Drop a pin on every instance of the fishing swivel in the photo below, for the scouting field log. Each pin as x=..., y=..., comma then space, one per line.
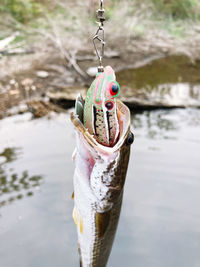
x=99, y=36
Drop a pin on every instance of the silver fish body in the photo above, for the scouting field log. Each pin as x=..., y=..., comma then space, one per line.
x=99, y=178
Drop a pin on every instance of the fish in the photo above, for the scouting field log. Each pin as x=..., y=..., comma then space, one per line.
x=101, y=163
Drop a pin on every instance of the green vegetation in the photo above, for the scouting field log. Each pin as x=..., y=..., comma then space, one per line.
x=124, y=17
x=25, y=10
x=21, y=10
x=178, y=9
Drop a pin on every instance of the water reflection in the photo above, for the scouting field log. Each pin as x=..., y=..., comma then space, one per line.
x=165, y=71
x=159, y=224
x=156, y=124
x=171, y=81
x=14, y=186
x=9, y=154
x=164, y=124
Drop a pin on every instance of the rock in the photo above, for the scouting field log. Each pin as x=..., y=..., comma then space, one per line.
x=40, y=108
x=22, y=108
x=68, y=93
x=42, y=74
x=14, y=92
x=112, y=54
x=92, y=71
x=65, y=97
x=12, y=81
x=27, y=82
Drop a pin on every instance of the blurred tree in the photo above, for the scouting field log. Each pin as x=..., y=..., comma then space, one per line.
x=21, y=10
x=178, y=9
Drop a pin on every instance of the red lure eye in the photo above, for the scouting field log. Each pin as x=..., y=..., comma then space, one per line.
x=114, y=89
x=109, y=105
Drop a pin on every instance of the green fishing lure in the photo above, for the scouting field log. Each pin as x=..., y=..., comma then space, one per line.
x=100, y=108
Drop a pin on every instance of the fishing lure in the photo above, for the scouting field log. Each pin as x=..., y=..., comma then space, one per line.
x=100, y=110
x=103, y=140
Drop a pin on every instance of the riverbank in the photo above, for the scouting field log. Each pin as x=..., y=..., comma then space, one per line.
x=61, y=64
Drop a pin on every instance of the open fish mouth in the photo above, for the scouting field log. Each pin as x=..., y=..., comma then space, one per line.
x=103, y=168
x=125, y=136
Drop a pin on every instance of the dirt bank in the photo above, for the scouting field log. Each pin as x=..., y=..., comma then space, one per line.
x=26, y=77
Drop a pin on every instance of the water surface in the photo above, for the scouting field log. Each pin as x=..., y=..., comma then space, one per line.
x=160, y=219
x=171, y=81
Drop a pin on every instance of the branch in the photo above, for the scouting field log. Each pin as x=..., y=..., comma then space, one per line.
x=5, y=42
x=68, y=56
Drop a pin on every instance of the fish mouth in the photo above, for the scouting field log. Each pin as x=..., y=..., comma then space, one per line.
x=123, y=115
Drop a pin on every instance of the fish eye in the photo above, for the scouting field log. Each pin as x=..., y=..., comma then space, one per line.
x=109, y=105
x=130, y=138
x=114, y=89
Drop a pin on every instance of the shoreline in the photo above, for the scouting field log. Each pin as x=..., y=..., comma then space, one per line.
x=31, y=76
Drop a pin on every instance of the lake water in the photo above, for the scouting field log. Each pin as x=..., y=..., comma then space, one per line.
x=160, y=219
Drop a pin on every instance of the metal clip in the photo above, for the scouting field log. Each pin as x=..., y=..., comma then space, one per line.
x=101, y=40
x=99, y=36
x=100, y=15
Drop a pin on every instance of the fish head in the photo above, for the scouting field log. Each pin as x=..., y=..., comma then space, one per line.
x=100, y=109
